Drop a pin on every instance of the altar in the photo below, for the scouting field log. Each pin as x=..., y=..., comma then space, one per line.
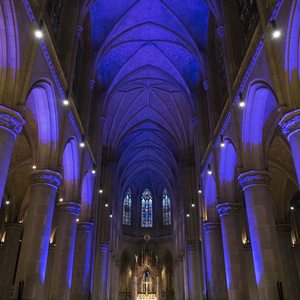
x=146, y=297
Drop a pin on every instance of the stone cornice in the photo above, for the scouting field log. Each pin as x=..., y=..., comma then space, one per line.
x=283, y=228
x=70, y=208
x=11, y=120
x=14, y=227
x=227, y=208
x=85, y=226
x=290, y=123
x=256, y=177
x=46, y=177
x=211, y=226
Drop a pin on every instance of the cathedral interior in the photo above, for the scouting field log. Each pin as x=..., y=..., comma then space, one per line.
x=149, y=149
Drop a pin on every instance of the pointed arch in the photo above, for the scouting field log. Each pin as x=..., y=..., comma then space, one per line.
x=127, y=210
x=70, y=163
x=147, y=209
x=86, y=197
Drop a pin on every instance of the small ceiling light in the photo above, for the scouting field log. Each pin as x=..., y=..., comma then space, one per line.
x=276, y=32
x=193, y=204
x=222, y=143
x=7, y=202
x=21, y=221
x=82, y=143
x=110, y=215
x=187, y=215
x=61, y=199
x=241, y=102
x=77, y=220
x=199, y=190
x=34, y=167
x=209, y=171
x=100, y=191
x=292, y=207
x=106, y=204
x=94, y=169
x=38, y=34
x=66, y=102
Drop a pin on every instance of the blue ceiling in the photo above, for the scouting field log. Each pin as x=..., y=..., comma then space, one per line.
x=150, y=59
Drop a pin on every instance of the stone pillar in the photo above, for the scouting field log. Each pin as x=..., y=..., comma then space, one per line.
x=290, y=125
x=82, y=262
x=214, y=262
x=64, y=251
x=135, y=288
x=37, y=229
x=10, y=256
x=100, y=273
x=157, y=288
x=194, y=269
x=49, y=270
x=237, y=287
x=181, y=289
x=253, y=295
x=176, y=279
x=11, y=124
x=292, y=290
x=264, y=241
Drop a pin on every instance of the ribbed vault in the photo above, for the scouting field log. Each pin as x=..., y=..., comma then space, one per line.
x=150, y=59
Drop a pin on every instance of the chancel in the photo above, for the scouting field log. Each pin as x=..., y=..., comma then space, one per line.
x=149, y=150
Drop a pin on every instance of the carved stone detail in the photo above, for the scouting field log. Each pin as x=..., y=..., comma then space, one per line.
x=11, y=120
x=221, y=32
x=47, y=177
x=227, y=208
x=14, y=227
x=253, y=178
x=290, y=122
x=72, y=208
x=205, y=85
x=283, y=228
x=85, y=226
x=211, y=226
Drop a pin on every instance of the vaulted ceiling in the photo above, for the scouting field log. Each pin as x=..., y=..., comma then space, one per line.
x=150, y=59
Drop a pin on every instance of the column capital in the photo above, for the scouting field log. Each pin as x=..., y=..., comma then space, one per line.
x=284, y=228
x=85, y=226
x=227, y=208
x=221, y=32
x=211, y=226
x=72, y=208
x=14, y=227
x=46, y=177
x=11, y=120
x=254, y=177
x=290, y=122
x=104, y=248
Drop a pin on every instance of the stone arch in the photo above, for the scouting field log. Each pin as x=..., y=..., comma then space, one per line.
x=42, y=121
x=70, y=164
x=9, y=51
x=210, y=198
x=227, y=171
x=260, y=118
x=86, y=197
x=292, y=51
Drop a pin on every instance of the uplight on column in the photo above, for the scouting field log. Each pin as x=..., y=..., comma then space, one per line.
x=241, y=100
x=209, y=171
x=82, y=143
x=276, y=33
x=222, y=143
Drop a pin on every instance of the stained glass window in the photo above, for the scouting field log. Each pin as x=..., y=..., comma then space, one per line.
x=147, y=209
x=166, y=208
x=127, y=208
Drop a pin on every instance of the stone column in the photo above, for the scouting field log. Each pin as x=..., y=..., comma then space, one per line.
x=135, y=288
x=264, y=242
x=37, y=229
x=195, y=279
x=290, y=125
x=49, y=270
x=100, y=273
x=237, y=287
x=214, y=262
x=181, y=289
x=10, y=256
x=11, y=124
x=253, y=295
x=64, y=251
x=292, y=290
x=82, y=262
x=157, y=288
